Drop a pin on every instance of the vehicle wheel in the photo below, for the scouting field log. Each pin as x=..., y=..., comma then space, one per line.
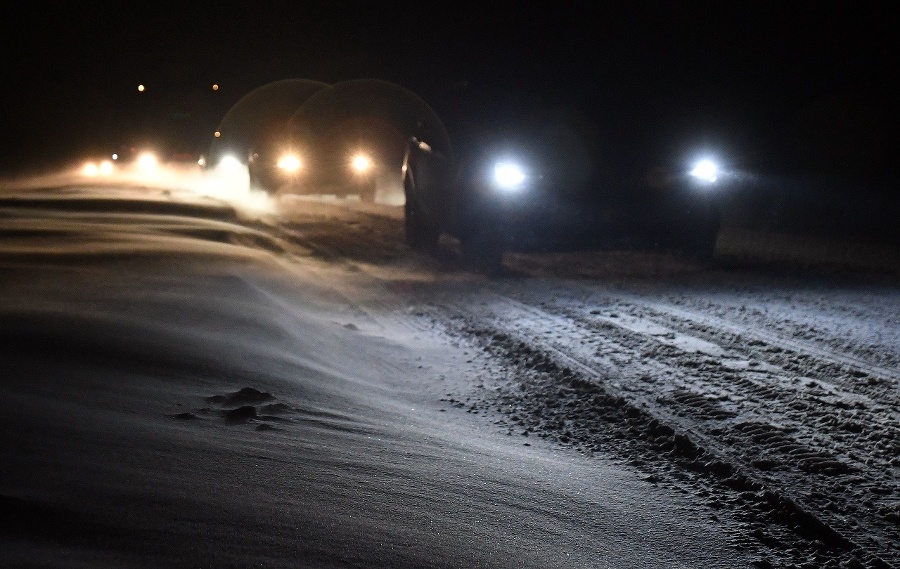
x=701, y=242
x=421, y=231
x=483, y=250
x=260, y=181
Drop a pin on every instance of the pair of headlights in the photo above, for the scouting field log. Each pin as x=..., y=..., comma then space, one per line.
x=511, y=176
x=147, y=162
x=94, y=169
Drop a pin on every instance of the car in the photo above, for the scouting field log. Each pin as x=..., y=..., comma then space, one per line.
x=543, y=186
x=338, y=171
x=97, y=168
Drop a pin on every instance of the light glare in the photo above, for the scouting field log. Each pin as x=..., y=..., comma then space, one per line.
x=706, y=170
x=361, y=163
x=230, y=163
x=289, y=163
x=508, y=175
x=147, y=162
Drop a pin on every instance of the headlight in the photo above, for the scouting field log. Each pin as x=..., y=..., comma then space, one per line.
x=230, y=163
x=361, y=164
x=289, y=163
x=90, y=169
x=509, y=175
x=106, y=168
x=705, y=171
x=147, y=162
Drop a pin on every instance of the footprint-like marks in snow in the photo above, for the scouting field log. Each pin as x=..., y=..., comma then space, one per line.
x=244, y=406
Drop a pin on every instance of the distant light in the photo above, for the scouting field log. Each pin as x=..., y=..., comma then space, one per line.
x=115, y=156
x=141, y=88
x=706, y=171
x=215, y=87
x=361, y=163
x=217, y=134
x=201, y=162
x=508, y=175
x=147, y=162
x=289, y=163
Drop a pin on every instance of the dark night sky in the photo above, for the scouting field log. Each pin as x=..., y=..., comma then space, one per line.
x=750, y=77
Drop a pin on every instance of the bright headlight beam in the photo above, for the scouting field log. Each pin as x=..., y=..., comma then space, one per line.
x=229, y=162
x=361, y=163
x=147, y=162
x=508, y=175
x=706, y=171
x=289, y=163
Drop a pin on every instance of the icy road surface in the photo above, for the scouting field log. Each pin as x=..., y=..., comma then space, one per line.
x=187, y=384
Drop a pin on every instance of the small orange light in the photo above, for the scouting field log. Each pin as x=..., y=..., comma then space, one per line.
x=141, y=88
x=217, y=134
x=215, y=86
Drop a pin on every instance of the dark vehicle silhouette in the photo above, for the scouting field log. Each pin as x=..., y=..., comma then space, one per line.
x=542, y=184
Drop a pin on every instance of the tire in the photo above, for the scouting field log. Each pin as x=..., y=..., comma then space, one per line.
x=698, y=237
x=703, y=243
x=421, y=231
x=262, y=181
x=483, y=250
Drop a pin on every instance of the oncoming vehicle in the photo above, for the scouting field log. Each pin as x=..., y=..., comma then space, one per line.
x=544, y=186
x=98, y=168
x=340, y=172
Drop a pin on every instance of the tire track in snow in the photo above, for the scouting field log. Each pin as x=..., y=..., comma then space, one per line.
x=785, y=461
x=875, y=382
x=832, y=406
x=747, y=413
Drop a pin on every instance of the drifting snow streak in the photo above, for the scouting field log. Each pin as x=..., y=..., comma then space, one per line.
x=204, y=215
x=229, y=184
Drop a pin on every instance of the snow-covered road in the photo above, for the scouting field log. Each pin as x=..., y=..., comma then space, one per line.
x=185, y=386
x=771, y=386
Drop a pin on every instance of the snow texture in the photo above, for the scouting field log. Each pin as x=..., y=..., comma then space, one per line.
x=189, y=380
